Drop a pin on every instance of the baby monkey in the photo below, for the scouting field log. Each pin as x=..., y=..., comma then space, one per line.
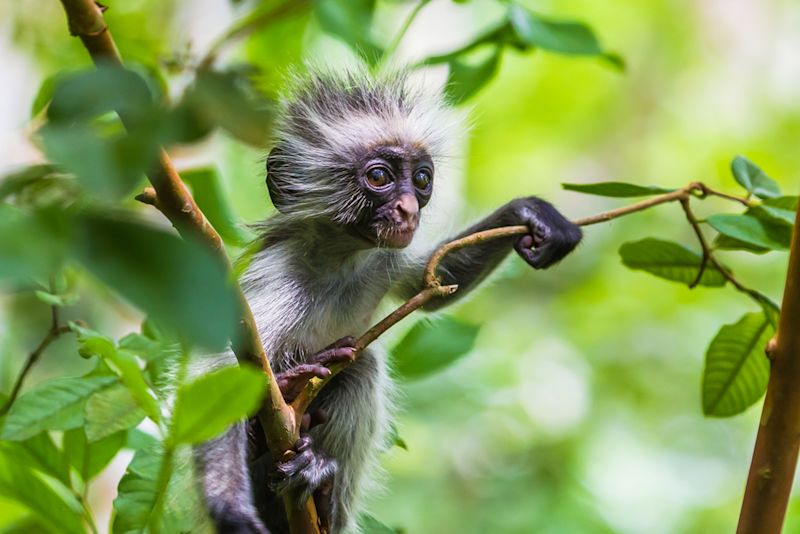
x=351, y=170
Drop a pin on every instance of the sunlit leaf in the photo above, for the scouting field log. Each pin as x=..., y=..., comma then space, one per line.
x=752, y=230
x=751, y=177
x=87, y=458
x=737, y=370
x=59, y=513
x=109, y=411
x=54, y=405
x=430, y=346
x=208, y=405
x=616, y=189
x=668, y=260
x=177, y=281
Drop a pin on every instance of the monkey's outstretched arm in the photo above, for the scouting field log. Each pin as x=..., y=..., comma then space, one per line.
x=551, y=237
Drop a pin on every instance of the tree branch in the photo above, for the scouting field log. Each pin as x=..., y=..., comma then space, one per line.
x=769, y=482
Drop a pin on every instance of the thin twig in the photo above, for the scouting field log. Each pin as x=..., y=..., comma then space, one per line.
x=687, y=209
x=52, y=334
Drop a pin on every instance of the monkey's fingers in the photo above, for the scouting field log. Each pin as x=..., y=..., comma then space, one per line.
x=292, y=381
x=310, y=420
x=335, y=355
x=346, y=341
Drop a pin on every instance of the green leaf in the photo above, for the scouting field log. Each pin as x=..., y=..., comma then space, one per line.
x=44, y=94
x=178, y=282
x=466, y=75
x=208, y=192
x=124, y=365
x=351, y=22
x=207, y=406
x=59, y=301
x=111, y=410
x=87, y=458
x=394, y=439
x=54, y=510
x=430, y=346
x=771, y=309
x=670, y=261
x=368, y=524
x=751, y=230
x=779, y=210
x=617, y=189
x=229, y=100
x=737, y=370
x=565, y=37
x=18, y=180
x=751, y=177
x=724, y=242
x=40, y=453
x=32, y=245
x=54, y=405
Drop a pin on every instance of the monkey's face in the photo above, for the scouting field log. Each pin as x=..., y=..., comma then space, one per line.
x=398, y=182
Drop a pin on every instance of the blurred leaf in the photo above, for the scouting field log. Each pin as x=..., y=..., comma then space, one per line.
x=616, y=189
x=368, y=524
x=38, y=452
x=466, y=76
x=752, y=230
x=724, y=242
x=771, y=309
x=751, y=177
x=44, y=94
x=57, y=300
x=108, y=166
x=54, y=405
x=229, y=100
x=138, y=439
x=108, y=88
x=208, y=193
x=430, y=346
x=16, y=181
x=147, y=348
x=394, y=439
x=780, y=210
x=109, y=411
x=557, y=36
x=177, y=281
x=737, y=370
x=58, y=513
x=89, y=459
x=670, y=261
x=350, y=21
x=208, y=405
x=32, y=245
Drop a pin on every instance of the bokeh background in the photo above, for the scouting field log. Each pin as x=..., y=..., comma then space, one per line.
x=579, y=408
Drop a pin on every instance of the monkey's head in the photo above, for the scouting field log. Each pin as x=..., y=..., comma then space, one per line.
x=358, y=153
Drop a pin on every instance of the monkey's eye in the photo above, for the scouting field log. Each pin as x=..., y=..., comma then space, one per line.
x=377, y=177
x=422, y=179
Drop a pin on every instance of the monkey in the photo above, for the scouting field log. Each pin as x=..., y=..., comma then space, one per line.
x=351, y=169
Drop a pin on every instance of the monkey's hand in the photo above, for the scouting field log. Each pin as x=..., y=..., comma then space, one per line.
x=292, y=381
x=552, y=236
x=306, y=470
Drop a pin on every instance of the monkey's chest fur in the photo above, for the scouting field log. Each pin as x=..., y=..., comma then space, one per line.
x=300, y=307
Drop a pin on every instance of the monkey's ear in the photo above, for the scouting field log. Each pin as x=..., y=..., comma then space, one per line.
x=278, y=184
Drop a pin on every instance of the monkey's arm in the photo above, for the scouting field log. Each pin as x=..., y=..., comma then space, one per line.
x=552, y=237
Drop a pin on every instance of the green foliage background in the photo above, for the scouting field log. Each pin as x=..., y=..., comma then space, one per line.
x=579, y=408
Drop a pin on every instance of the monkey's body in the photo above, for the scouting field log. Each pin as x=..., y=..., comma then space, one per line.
x=352, y=167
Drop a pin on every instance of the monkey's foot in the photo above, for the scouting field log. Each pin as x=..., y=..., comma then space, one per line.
x=292, y=381
x=306, y=471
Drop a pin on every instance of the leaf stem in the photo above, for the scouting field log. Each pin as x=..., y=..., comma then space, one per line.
x=392, y=48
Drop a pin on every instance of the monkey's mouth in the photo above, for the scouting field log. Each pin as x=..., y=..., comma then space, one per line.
x=397, y=235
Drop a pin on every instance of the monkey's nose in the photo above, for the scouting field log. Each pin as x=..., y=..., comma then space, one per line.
x=407, y=206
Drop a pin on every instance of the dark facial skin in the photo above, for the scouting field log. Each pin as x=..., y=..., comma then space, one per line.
x=398, y=182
